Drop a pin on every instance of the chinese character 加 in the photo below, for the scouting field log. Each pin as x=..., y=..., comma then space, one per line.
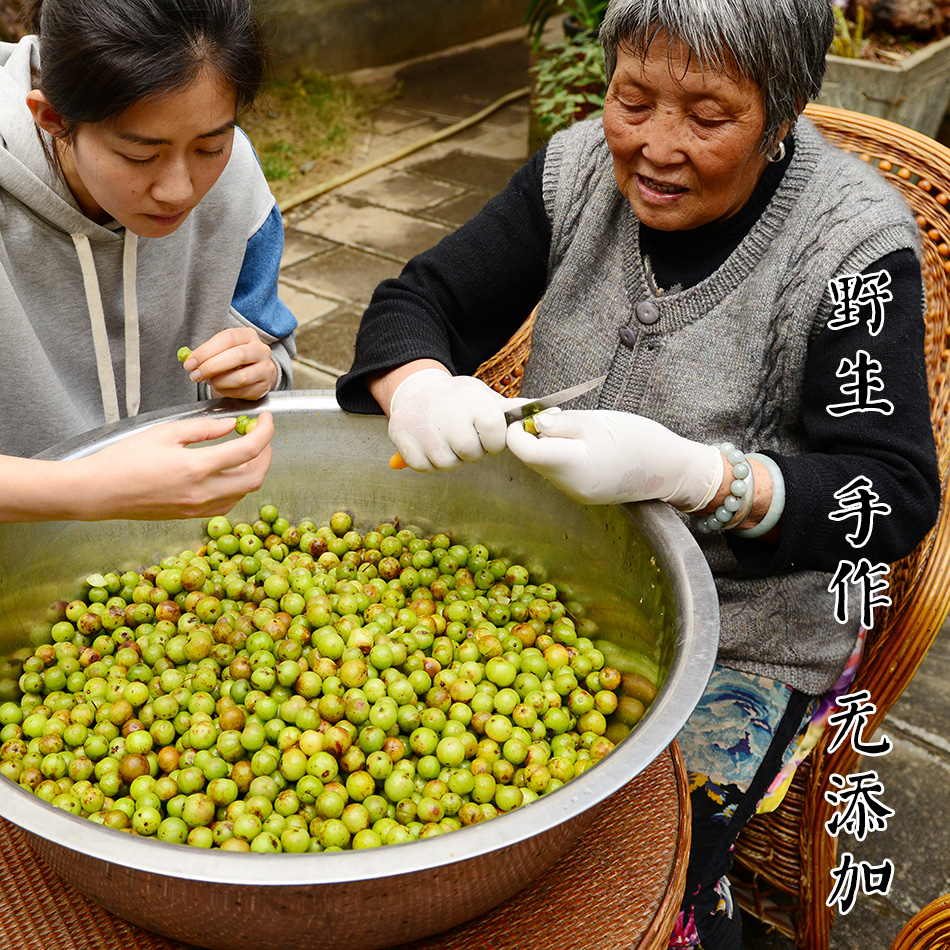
x=850, y=875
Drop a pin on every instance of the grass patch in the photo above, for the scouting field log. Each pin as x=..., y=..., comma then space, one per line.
x=305, y=126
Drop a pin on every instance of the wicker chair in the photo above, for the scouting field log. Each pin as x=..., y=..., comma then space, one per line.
x=784, y=859
x=928, y=929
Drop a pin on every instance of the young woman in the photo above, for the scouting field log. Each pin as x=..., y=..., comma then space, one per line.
x=134, y=220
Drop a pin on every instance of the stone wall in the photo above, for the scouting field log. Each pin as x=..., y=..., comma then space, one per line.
x=340, y=35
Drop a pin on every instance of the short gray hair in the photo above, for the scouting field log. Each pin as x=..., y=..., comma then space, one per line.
x=778, y=44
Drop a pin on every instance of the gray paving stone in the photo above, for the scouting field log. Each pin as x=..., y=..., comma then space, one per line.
x=307, y=377
x=303, y=305
x=916, y=781
x=387, y=120
x=298, y=245
x=331, y=343
x=494, y=141
x=460, y=84
x=345, y=273
x=400, y=192
x=477, y=171
x=924, y=706
x=372, y=228
x=457, y=211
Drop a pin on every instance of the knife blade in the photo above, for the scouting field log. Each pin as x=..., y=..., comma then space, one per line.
x=552, y=399
x=530, y=408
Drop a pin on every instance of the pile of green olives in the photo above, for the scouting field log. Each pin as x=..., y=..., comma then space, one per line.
x=295, y=688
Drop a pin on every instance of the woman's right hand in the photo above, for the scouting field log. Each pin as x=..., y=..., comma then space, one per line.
x=440, y=421
x=163, y=473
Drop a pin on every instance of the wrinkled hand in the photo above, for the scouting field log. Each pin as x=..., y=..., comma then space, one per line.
x=603, y=457
x=438, y=421
x=155, y=475
x=235, y=362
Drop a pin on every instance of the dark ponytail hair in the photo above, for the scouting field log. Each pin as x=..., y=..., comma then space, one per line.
x=98, y=57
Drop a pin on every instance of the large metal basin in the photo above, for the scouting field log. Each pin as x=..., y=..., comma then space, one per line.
x=636, y=569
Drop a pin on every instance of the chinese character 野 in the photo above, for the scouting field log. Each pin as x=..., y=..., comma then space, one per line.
x=870, y=581
x=859, y=500
x=855, y=293
x=850, y=875
x=864, y=381
x=856, y=709
x=862, y=813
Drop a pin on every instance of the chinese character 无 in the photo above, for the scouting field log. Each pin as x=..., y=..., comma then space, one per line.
x=853, y=293
x=856, y=710
x=863, y=379
x=870, y=581
x=862, y=813
x=850, y=876
x=858, y=500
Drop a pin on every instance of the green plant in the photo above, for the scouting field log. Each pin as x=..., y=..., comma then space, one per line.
x=850, y=38
x=570, y=81
x=587, y=13
x=307, y=120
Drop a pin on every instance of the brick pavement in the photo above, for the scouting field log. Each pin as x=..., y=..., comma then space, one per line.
x=339, y=246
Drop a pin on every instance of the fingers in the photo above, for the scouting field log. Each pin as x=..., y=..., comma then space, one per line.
x=237, y=362
x=489, y=431
x=221, y=343
x=541, y=452
x=236, y=452
x=566, y=424
x=189, y=431
x=426, y=455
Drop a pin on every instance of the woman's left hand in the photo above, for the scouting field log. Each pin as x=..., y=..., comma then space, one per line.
x=235, y=362
x=604, y=457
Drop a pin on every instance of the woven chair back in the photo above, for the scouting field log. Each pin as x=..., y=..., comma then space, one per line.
x=929, y=929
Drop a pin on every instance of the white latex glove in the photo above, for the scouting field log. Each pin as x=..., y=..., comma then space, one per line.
x=438, y=421
x=603, y=457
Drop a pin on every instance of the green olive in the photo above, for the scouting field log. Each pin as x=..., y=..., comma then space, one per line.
x=293, y=688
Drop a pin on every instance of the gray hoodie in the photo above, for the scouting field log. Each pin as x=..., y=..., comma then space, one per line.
x=91, y=316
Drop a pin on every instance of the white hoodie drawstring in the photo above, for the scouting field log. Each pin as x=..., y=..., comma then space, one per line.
x=133, y=369
x=100, y=336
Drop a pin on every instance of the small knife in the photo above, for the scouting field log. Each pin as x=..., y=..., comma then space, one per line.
x=531, y=408
x=552, y=399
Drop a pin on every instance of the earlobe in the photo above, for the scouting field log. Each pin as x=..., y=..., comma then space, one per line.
x=44, y=115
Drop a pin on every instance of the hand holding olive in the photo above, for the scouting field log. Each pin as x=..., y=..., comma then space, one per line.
x=155, y=474
x=603, y=457
x=438, y=421
x=235, y=362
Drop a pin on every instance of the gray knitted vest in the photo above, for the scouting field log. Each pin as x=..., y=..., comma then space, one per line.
x=723, y=360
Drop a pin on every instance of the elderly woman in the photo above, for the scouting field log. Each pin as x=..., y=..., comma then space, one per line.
x=741, y=284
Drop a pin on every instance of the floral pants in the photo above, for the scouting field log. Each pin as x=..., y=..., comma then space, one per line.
x=741, y=746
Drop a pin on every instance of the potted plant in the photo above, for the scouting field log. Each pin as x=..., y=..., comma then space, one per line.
x=580, y=16
x=569, y=84
x=568, y=74
x=891, y=61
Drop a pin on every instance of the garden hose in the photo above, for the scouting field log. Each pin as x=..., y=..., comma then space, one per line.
x=330, y=183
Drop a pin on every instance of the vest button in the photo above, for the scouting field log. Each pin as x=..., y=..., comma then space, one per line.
x=647, y=312
x=627, y=337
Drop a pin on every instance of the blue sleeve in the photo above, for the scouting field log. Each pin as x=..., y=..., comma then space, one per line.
x=255, y=296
